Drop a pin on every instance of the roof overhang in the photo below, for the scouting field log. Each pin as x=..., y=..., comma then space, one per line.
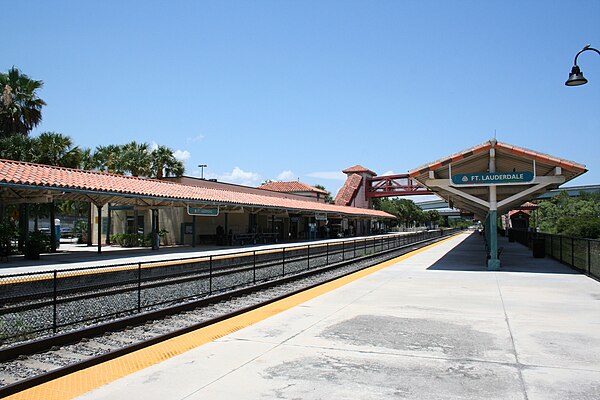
x=547, y=173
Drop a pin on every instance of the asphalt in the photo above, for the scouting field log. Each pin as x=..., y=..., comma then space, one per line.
x=436, y=325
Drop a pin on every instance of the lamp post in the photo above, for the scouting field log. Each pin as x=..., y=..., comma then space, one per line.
x=202, y=166
x=576, y=76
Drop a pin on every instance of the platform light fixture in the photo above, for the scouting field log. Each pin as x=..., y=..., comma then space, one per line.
x=202, y=166
x=576, y=77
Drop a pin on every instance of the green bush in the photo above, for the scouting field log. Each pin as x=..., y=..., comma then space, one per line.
x=37, y=243
x=9, y=233
x=132, y=239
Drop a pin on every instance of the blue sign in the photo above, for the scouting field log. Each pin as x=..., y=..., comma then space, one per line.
x=492, y=178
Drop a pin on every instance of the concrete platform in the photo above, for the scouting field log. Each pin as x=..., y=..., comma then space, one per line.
x=433, y=326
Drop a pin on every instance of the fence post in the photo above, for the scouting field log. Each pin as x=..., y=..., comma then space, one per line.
x=589, y=257
x=560, y=242
x=254, y=267
x=139, y=287
x=283, y=263
x=210, y=272
x=54, y=301
x=572, y=251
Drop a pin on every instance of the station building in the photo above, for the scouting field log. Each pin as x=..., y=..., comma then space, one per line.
x=191, y=210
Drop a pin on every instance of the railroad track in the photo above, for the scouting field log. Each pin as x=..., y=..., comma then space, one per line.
x=45, y=304
x=32, y=363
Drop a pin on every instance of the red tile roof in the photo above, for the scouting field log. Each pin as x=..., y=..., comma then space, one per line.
x=36, y=176
x=358, y=169
x=291, y=187
x=346, y=194
x=485, y=146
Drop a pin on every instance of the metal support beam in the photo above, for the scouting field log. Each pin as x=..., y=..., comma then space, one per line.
x=52, y=228
x=99, y=209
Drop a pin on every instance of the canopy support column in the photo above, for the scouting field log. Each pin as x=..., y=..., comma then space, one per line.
x=99, y=209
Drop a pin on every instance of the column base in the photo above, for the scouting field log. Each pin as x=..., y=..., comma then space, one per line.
x=493, y=265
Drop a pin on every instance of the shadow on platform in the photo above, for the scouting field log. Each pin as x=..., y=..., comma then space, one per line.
x=470, y=255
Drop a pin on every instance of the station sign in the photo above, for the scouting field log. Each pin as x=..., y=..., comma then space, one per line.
x=492, y=178
x=203, y=211
x=320, y=217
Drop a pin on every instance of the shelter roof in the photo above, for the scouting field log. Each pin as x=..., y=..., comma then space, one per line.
x=476, y=160
x=348, y=191
x=28, y=182
x=358, y=169
x=291, y=187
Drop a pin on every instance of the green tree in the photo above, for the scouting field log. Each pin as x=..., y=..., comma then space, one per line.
x=20, y=106
x=109, y=158
x=165, y=164
x=57, y=149
x=136, y=159
x=18, y=147
x=328, y=199
x=570, y=216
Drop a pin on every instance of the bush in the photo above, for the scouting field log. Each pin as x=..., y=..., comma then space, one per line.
x=37, y=243
x=132, y=240
x=9, y=233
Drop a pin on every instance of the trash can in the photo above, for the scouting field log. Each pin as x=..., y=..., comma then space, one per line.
x=539, y=248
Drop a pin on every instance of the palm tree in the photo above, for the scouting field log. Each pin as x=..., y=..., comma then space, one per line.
x=109, y=158
x=164, y=163
x=57, y=149
x=20, y=107
x=87, y=161
x=18, y=147
x=137, y=159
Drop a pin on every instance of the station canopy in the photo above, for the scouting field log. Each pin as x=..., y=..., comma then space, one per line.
x=22, y=182
x=518, y=174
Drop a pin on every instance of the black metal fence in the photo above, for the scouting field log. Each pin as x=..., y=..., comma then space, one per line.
x=579, y=253
x=45, y=303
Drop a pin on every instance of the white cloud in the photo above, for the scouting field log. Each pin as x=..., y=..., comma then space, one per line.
x=195, y=138
x=240, y=177
x=182, y=155
x=388, y=173
x=333, y=175
x=286, y=175
x=153, y=145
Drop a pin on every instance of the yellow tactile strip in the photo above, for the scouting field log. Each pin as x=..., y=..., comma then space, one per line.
x=78, y=383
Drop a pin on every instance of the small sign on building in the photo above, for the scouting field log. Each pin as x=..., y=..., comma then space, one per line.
x=203, y=211
x=320, y=217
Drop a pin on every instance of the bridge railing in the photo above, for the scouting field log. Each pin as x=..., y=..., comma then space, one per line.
x=579, y=253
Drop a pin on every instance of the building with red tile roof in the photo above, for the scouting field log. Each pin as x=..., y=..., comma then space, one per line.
x=296, y=187
x=22, y=182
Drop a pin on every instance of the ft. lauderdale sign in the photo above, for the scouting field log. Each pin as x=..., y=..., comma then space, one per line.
x=492, y=178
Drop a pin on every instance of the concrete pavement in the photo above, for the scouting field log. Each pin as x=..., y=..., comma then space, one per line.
x=433, y=326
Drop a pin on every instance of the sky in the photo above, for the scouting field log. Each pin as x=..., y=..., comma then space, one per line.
x=288, y=90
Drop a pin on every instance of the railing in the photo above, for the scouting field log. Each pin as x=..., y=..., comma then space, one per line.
x=580, y=253
x=45, y=303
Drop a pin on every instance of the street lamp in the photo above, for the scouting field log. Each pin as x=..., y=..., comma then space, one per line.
x=576, y=76
x=202, y=166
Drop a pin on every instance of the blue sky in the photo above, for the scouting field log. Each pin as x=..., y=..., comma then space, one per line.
x=303, y=89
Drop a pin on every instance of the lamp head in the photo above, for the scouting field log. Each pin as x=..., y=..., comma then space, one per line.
x=576, y=77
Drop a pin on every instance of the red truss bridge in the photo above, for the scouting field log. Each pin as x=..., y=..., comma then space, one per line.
x=393, y=185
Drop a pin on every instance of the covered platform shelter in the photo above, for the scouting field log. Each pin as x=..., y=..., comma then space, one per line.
x=492, y=178
x=25, y=183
